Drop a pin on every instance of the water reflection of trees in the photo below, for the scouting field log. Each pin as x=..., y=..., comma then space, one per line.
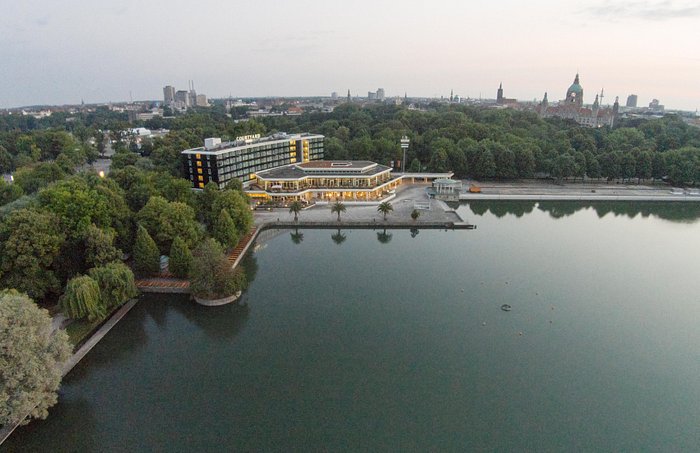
x=218, y=323
x=414, y=232
x=383, y=237
x=686, y=212
x=338, y=237
x=296, y=236
x=501, y=208
x=59, y=430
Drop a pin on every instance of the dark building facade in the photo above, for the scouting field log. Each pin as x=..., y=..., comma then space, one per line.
x=242, y=158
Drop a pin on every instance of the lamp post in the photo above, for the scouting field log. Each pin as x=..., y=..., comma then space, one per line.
x=404, y=146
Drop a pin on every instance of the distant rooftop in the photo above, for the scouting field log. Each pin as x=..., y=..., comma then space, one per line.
x=324, y=167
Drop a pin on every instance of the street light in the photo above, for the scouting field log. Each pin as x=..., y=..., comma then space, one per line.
x=404, y=146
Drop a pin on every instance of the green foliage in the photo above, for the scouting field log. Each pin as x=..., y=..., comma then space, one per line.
x=99, y=247
x=146, y=254
x=82, y=299
x=180, y=258
x=31, y=359
x=31, y=179
x=295, y=208
x=30, y=242
x=9, y=192
x=116, y=283
x=385, y=208
x=165, y=220
x=211, y=276
x=225, y=230
x=236, y=203
x=338, y=207
x=77, y=204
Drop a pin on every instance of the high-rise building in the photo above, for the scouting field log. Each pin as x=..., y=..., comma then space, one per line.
x=182, y=99
x=380, y=94
x=202, y=100
x=631, y=101
x=168, y=95
x=243, y=157
x=334, y=95
x=371, y=95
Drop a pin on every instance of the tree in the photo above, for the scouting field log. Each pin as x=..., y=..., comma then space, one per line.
x=385, y=207
x=225, y=230
x=31, y=359
x=180, y=258
x=415, y=214
x=338, y=207
x=116, y=283
x=295, y=208
x=211, y=276
x=30, y=243
x=82, y=299
x=77, y=204
x=236, y=204
x=146, y=254
x=99, y=247
x=9, y=192
x=165, y=220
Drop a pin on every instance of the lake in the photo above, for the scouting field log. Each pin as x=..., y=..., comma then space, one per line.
x=396, y=340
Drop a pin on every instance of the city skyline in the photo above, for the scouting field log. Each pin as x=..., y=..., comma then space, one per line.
x=62, y=54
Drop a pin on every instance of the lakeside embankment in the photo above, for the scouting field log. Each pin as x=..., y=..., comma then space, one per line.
x=576, y=191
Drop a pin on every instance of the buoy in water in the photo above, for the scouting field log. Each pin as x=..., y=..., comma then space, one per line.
x=520, y=334
x=506, y=307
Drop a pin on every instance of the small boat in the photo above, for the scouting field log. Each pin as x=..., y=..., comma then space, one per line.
x=506, y=307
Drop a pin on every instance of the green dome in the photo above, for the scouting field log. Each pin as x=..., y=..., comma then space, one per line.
x=575, y=88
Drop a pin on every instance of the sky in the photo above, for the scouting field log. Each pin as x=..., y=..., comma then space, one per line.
x=62, y=52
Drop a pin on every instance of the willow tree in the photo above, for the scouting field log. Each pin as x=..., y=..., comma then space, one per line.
x=82, y=299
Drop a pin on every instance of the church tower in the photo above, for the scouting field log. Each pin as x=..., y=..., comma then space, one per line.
x=574, y=95
x=499, y=94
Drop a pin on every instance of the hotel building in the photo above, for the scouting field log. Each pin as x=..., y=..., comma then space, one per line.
x=244, y=157
x=323, y=180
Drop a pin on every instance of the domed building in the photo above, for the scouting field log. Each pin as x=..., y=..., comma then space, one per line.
x=572, y=108
x=574, y=95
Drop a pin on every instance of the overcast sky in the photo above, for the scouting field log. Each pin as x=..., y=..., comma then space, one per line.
x=62, y=51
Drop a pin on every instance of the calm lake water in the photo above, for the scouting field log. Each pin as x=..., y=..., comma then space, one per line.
x=372, y=340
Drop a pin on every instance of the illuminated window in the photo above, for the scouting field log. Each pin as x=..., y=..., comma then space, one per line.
x=198, y=156
x=201, y=185
x=201, y=178
x=199, y=164
x=199, y=170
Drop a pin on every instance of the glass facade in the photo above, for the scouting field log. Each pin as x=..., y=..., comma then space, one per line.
x=243, y=161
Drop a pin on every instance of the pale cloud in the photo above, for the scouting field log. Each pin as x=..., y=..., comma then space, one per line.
x=644, y=9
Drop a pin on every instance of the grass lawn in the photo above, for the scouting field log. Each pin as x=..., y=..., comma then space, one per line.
x=78, y=331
